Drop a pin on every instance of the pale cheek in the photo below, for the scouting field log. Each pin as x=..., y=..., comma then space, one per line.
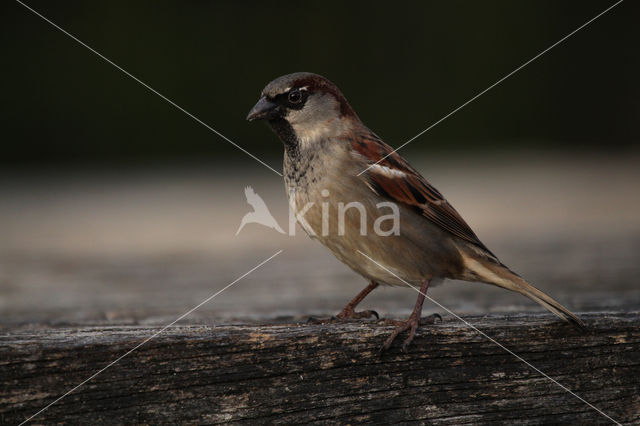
x=308, y=132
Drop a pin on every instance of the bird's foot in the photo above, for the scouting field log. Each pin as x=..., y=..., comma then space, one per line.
x=344, y=316
x=411, y=324
x=347, y=314
x=314, y=320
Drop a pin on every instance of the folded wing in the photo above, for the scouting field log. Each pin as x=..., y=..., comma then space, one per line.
x=392, y=177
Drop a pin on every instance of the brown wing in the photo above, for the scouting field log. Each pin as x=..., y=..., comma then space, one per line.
x=394, y=178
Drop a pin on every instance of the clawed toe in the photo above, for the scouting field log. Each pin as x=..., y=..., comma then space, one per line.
x=391, y=338
x=351, y=314
x=412, y=334
x=401, y=326
x=367, y=314
x=431, y=319
x=314, y=320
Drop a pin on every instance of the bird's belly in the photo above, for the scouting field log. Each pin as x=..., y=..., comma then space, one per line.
x=369, y=237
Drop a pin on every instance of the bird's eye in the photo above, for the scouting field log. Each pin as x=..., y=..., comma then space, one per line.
x=295, y=96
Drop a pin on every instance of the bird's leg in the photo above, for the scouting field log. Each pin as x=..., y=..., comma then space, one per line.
x=349, y=311
x=410, y=324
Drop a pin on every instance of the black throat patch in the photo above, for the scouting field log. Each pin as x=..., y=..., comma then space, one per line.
x=284, y=131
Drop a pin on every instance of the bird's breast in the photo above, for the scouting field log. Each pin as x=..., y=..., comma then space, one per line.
x=336, y=206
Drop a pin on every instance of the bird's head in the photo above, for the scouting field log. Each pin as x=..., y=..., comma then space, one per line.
x=302, y=107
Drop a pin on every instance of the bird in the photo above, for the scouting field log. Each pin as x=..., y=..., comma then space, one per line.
x=332, y=158
x=260, y=213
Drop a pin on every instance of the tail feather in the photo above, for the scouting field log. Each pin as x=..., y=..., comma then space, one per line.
x=501, y=276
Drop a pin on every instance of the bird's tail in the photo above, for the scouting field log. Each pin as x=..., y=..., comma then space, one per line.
x=501, y=276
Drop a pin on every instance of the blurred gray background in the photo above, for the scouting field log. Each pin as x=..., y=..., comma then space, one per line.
x=115, y=206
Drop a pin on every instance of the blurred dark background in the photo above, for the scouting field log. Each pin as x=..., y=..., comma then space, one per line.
x=401, y=67
x=115, y=206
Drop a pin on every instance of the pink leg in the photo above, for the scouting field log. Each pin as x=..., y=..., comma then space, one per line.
x=413, y=321
x=349, y=311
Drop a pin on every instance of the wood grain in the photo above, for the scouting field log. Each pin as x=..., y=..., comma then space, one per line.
x=328, y=373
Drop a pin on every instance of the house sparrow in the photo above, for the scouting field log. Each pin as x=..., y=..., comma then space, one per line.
x=327, y=148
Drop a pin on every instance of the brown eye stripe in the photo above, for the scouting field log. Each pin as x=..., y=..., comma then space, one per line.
x=315, y=83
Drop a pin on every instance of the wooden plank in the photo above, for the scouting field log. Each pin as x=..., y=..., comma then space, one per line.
x=328, y=373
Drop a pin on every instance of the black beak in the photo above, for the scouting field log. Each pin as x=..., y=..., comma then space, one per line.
x=263, y=109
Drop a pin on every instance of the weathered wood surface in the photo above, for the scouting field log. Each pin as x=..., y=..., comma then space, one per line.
x=297, y=373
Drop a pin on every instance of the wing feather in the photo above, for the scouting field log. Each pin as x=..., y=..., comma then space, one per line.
x=395, y=179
